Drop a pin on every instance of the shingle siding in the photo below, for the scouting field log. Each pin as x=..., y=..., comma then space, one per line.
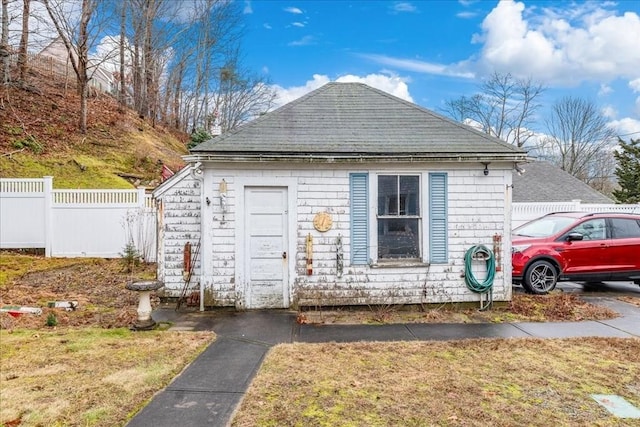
x=475, y=213
x=312, y=146
x=179, y=223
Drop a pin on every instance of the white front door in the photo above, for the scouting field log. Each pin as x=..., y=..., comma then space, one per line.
x=266, y=242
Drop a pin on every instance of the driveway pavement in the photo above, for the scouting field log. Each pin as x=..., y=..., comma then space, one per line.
x=209, y=390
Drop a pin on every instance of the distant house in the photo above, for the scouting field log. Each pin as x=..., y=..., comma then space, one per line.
x=345, y=196
x=101, y=78
x=543, y=182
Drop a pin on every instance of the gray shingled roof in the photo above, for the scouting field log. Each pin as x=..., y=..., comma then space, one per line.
x=544, y=182
x=348, y=119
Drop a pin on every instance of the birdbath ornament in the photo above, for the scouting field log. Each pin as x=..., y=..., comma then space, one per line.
x=144, y=289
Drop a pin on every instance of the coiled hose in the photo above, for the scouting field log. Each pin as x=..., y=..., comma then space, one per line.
x=470, y=279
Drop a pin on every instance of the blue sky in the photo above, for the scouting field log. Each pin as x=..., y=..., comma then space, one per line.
x=430, y=51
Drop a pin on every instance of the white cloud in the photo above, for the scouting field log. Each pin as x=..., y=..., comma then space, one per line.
x=609, y=111
x=466, y=14
x=298, y=24
x=605, y=90
x=579, y=43
x=627, y=128
x=286, y=95
x=248, y=10
x=392, y=84
x=403, y=6
x=294, y=10
x=635, y=88
x=419, y=66
x=267, y=26
x=305, y=41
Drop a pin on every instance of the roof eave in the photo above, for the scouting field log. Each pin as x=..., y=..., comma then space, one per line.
x=355, y=157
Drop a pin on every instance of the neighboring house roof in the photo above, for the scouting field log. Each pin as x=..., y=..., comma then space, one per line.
x=351, y=120
x=544, y=182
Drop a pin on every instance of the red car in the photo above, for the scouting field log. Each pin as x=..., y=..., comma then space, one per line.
x=576, y=246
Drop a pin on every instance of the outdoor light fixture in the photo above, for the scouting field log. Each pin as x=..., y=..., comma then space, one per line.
x=486, y=168
x=518, y=169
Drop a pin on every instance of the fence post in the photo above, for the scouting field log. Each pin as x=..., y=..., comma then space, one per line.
x=142, y=193
x=48, y=215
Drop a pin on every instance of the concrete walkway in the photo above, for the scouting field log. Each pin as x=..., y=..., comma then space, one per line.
x=209, y=390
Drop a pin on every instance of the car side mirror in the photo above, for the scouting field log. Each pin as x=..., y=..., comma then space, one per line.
x=574, y=236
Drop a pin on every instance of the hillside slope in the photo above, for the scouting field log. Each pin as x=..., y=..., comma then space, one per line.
x=39, y=136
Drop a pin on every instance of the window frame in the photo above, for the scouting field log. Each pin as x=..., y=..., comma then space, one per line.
x=420, y=217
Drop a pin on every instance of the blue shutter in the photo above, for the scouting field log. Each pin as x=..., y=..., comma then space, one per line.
x=359, y=188
x=438, y=218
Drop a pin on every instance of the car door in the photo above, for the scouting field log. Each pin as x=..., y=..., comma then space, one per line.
x=590, y=256
x=625, y=245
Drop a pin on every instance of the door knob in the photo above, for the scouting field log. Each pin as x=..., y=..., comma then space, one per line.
x=284, y=255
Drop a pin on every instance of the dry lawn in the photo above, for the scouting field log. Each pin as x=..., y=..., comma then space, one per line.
x=465, y=383
x=87, y=376
x=98, y=285
x=555, y=307
x=90, y=369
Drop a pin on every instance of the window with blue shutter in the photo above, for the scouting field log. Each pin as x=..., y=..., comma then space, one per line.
x=438, y=253
x=399, y=217
x=359, y=187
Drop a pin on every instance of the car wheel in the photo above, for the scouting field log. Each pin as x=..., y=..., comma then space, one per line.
x=540, y=278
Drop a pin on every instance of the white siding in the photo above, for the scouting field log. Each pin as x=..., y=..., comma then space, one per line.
x=478, y=209
x=178, y=223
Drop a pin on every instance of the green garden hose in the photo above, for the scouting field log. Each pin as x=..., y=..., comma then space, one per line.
x=470, y=279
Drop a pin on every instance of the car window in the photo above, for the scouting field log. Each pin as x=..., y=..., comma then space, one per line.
x=625, y=228
x=593, y=229
x=543, y=227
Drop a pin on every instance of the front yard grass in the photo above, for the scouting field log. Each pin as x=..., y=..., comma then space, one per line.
x=87, y=376
x=492, y=382
x=90, y=370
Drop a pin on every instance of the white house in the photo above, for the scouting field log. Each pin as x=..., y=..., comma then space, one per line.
x=101, y=78
x=345, y=196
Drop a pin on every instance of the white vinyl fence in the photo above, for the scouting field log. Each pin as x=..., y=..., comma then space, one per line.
x=523, y=212
x=100, y=223
x=75, y=223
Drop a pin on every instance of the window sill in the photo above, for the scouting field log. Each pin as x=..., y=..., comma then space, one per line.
x=409, y=263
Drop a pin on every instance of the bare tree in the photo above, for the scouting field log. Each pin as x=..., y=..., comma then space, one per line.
x=122, y=89
x=76, y=41
x=4, y=43
x=505, y=107
x=241, y=97
x=24, y=40
x=155, y=30
x=218, y=32
x=578, y=138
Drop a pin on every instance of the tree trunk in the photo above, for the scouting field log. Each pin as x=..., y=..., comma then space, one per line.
x=83, y=62
x=4, y=44
x=123, y=36
x=24, y=40
x=149, y=67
